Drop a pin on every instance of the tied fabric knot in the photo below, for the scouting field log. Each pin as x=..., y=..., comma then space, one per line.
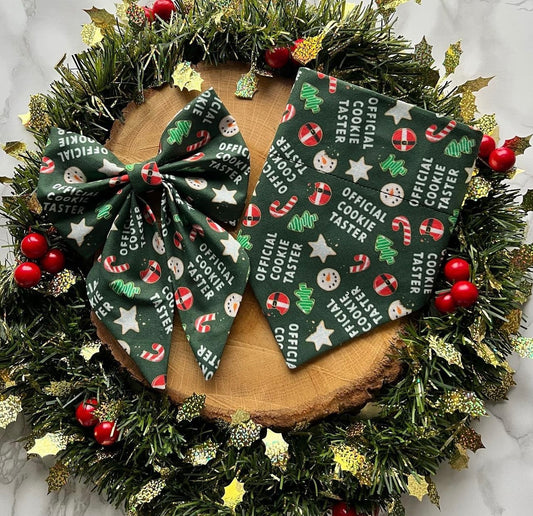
x=146, y=269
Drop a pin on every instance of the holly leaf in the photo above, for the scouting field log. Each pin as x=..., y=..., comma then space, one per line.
x=185, y=77
x=101, y=18
x=474, y=84
x=468, y=106
x=518, y=144
x=4, y=180
x=14, y=149
x=25, y=118
x=486, y=124
x=422, y=53
x=452, y=57
x=91, y=35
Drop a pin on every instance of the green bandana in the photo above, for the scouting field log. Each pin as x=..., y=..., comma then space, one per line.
x=351, y=217
x=145, y=269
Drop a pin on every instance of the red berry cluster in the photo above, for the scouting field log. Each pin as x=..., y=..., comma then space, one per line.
x=463, y=292
x=35, y=247
x=343, y=509
x=500, y=159
x=161, y=8
x=278, y=57
x=105, y=432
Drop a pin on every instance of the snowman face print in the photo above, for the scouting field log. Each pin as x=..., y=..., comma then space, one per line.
x=196, y=183
x=228, y=126
x=232, y=304
x=328, y=279
x=323, y=163
x=158, y=244
x=397, y=310
x=74, y=175
x=391, y=194
x=176, y=266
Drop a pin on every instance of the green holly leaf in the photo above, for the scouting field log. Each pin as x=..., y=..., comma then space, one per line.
x=422, y=53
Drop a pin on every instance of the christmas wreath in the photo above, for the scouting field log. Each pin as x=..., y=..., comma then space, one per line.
x=159, y=458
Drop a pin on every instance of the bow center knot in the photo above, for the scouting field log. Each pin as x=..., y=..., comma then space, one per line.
x=144, y=177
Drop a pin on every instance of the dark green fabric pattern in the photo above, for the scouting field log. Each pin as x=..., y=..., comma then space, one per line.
x=144, y=269
x=353, y=211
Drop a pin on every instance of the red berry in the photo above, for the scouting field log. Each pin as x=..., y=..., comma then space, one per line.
x=342, y=509
x=84, y=412
x=464, y=293
x=277, y=57
x=53, y=261
x=445, y=303
x=106, y=433
x=34, y=245
x=163, y=9
x=486, y=147
x=149, y=14
x=502, y=159
x=457, y=269
x=27, y=274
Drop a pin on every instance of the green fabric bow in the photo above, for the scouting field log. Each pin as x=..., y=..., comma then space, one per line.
x=353, y=212
x=145, y=269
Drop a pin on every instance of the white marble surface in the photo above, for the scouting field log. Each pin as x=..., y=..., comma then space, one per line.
x=497, y=40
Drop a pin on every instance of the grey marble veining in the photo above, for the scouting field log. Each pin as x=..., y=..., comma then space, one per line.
x=496, y=40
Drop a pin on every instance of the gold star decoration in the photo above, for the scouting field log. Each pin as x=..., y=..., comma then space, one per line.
x=276, y=449
x=58, y=476
x=90, y=349
x=518, y=144
x=49, y=444
x=15, y=149
x=308, y=49
x=233, y=494
x=247, y=85
x=469, y=438
x=446, y=350
x=452, y=57
x=91, y=35
x=417, y=486
x=201, y=454
x=468, y=106
x=184, y=77
x=10, y=408
x=462, y=401
x=459, y=460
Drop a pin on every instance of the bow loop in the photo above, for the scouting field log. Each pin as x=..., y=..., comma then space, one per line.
x=148, y=268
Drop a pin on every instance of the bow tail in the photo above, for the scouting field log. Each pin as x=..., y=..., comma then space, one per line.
x=209, y=274
x=131, y=293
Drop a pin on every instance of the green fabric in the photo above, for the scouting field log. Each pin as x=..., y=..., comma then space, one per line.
x=144, y=269
x=353, y=211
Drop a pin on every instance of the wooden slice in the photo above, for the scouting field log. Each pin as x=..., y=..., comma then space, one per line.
x=252, y=375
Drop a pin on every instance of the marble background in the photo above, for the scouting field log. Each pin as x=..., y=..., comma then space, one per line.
x=497, y=40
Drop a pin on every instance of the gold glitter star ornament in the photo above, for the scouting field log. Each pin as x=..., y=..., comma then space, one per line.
x=233, y=494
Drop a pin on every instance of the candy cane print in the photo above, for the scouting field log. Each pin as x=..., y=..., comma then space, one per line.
x=154, y=357
x=289, y=113
x=363, y=263
x=432, y=137
x=117, y=269
x=205, y=137
x=276, y=211
x=332, y=84
x=200, y=323
x=195, y=231
x=401, y=220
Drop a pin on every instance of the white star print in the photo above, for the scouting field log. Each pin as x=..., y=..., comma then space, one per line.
x=79, y=231
x=400, y=111
x=320, y=337
x=358, y=170
x=231, y=248
x=469, y=171
x=224, y=195
x=321, y=249
x=128, y=320
x=110, y=169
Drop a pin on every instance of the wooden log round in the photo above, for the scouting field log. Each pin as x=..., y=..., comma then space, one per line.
x=252, y=375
